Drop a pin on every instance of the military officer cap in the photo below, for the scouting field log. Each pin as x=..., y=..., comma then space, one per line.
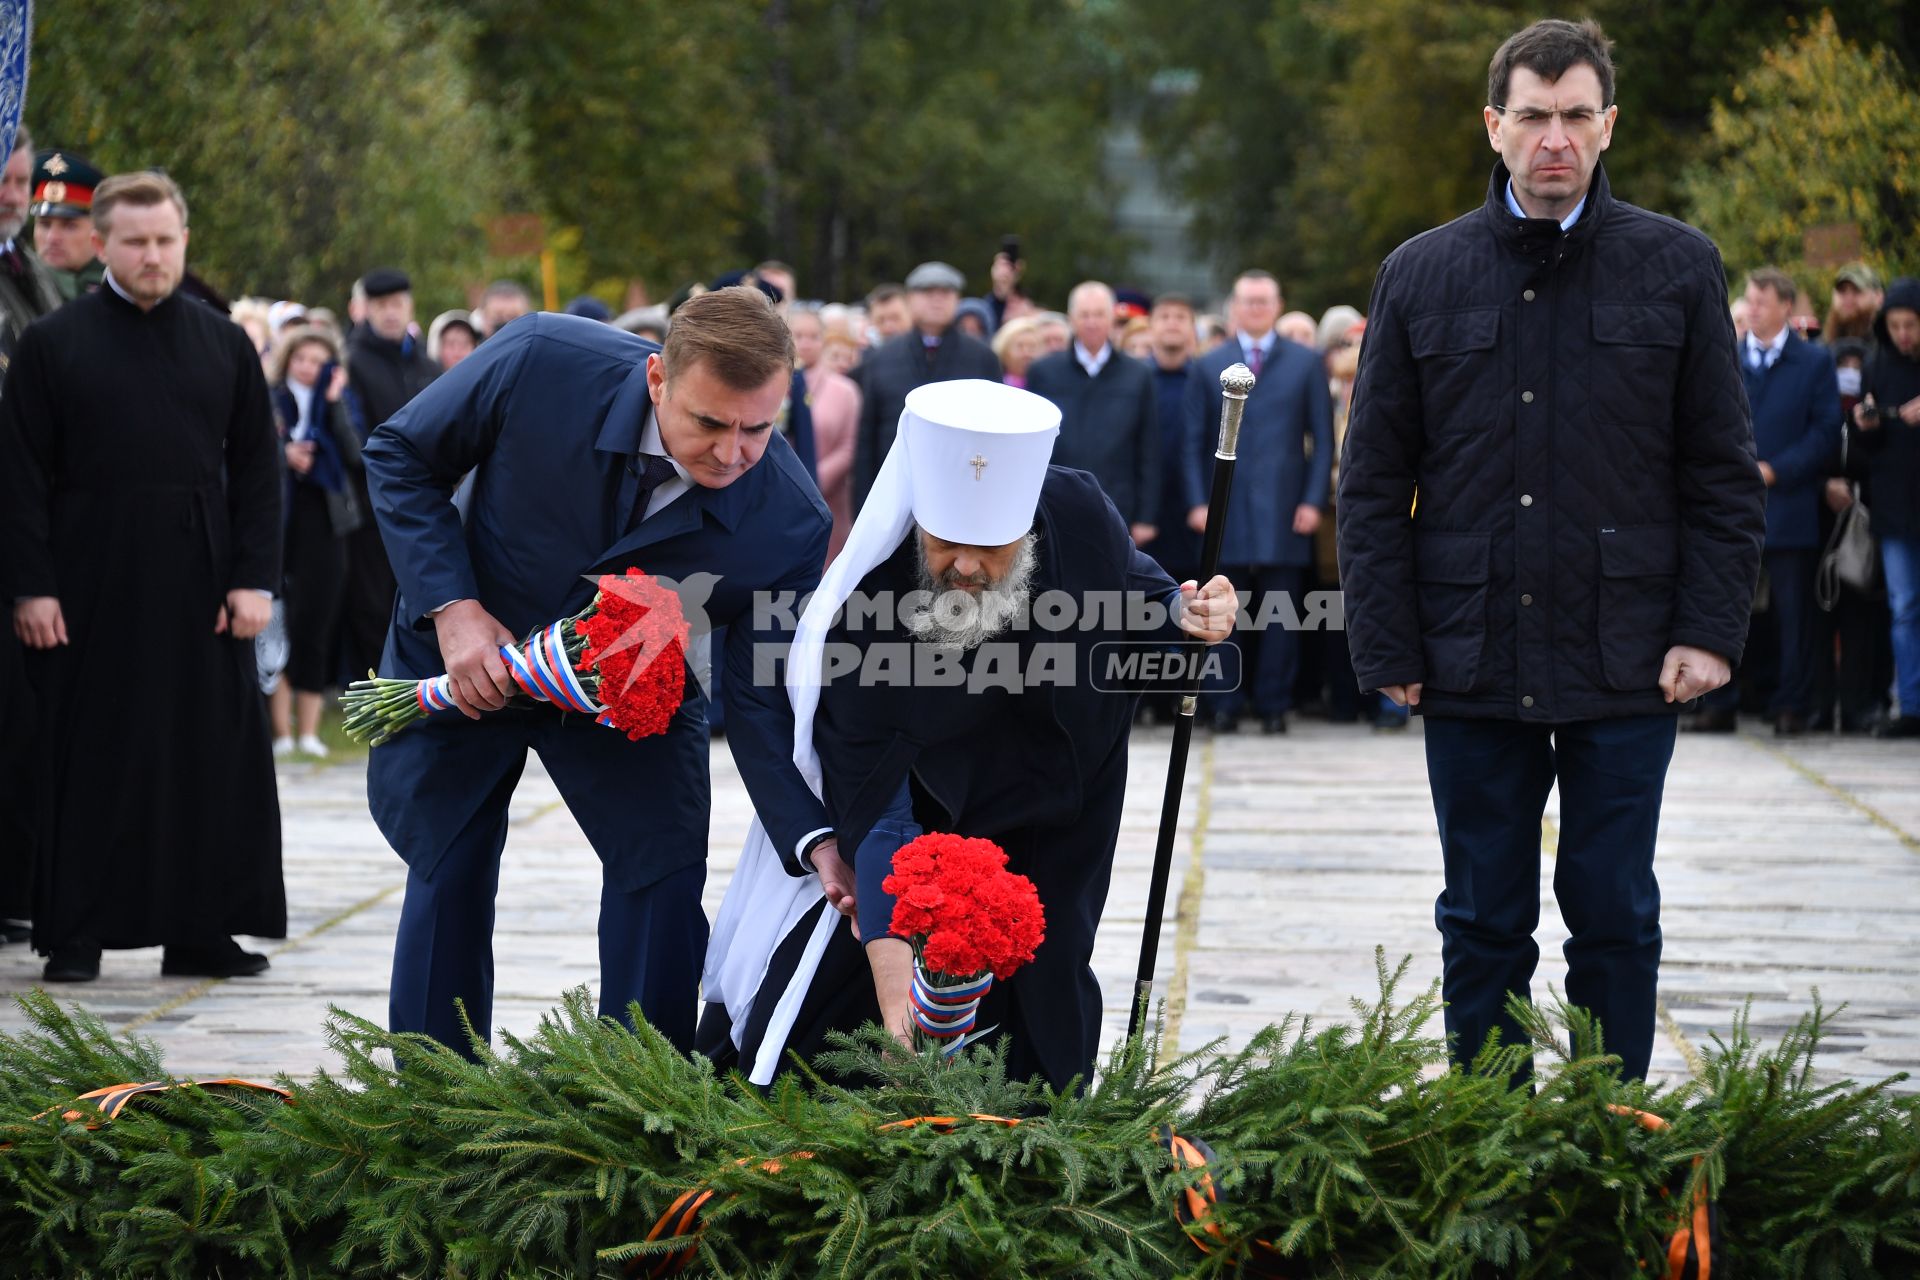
x=382, y=281
x=1129, y=303
x=63, y=185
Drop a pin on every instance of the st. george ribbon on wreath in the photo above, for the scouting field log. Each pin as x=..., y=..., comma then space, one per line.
x=1236, y=383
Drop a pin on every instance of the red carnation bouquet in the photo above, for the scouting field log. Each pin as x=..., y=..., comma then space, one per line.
x=622, y=660
x=970, y=920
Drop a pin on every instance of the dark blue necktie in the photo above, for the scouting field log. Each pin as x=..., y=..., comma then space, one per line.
x=654, y=470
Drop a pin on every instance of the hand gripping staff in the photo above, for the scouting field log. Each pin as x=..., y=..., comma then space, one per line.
x=1236, y=383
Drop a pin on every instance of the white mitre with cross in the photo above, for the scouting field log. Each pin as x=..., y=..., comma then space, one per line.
x=977, y=454
x=966, y=465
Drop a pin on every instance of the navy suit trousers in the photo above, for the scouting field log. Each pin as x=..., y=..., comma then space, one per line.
x=1259, y=665
x=1790, y=611
x=1490, y=781
x=652, y=939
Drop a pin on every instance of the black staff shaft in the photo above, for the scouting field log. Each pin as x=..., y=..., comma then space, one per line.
x=1235, y=383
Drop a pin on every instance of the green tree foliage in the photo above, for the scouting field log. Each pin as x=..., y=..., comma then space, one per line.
x=851, y=137
x=1821, y=132
x=637, y=121
x=1314, y=136
x=314, y=139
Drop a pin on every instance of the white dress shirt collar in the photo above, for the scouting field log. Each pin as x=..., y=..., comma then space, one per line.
x=1091, y=362
x=669, y=490
x=1566, y=223
x=1769, y=351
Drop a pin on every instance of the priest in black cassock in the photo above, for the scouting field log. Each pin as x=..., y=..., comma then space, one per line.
x=1022, y=565
x=139, y=543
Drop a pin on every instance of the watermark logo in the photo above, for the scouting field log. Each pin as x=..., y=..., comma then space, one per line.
x=1127, y=666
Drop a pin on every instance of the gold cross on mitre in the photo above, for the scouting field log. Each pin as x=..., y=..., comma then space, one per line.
x=978, y=464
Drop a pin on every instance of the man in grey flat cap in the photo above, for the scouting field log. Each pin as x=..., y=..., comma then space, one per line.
x=933, y=350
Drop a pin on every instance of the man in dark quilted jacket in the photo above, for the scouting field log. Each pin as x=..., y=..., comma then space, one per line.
x=1550, y=527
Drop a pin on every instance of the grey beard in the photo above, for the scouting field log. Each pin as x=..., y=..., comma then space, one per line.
x=958, y=619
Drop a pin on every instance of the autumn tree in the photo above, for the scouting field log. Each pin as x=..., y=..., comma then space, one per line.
x=1820, y=132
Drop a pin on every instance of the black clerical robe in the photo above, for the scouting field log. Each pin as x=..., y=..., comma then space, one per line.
x=139, y=483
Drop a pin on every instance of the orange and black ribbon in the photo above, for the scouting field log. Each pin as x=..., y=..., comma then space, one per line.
x=1690, y=1251
x=1194, y=1207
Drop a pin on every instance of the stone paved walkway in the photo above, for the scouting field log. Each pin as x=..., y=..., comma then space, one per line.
x=1783, y=869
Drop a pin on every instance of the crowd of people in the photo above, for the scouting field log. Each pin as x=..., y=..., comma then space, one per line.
x=1136, y=379
x=342, y=486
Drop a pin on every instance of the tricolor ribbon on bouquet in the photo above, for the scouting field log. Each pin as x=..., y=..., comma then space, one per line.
x=946, y=1013
x=621, y=660
x=542, y=669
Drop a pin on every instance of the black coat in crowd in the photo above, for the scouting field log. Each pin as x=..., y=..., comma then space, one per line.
x=1568, y=408
x=1889, y=455
x=891, y=370
x=1109, y=425
x=385, y=375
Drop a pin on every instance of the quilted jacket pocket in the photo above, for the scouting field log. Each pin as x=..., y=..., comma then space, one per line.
x=1450, y=573
x=1638, y=565
x=1636, y=360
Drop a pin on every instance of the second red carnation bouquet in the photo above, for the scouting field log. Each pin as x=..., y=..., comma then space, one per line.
x=970, y=921
x=622, y=660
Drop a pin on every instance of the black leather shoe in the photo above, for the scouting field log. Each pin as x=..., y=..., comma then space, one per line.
x=73, y=962
x=216, y=961
x=1898, y=727
x=1789, y=724
x=1273, y=724
x=1223, y=723
x=1710, y=721
x=14, y=931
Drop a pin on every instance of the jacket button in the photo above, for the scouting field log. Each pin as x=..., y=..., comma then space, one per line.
x=1528, y=295
x=1526, y=599
x=1526, y=397
x=1526, y=499
x=1526, y=702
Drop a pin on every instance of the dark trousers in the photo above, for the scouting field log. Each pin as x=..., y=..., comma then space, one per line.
x=1858, y=675
x=1268, y=660
x=653, y=940
x=367, y=609
x=316, y=582
x=1790, y=611
x=1490, y=781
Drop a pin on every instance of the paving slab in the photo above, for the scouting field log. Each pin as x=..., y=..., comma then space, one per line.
x=1787, y=867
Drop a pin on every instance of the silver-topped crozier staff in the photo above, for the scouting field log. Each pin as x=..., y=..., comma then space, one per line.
x=1235, y=385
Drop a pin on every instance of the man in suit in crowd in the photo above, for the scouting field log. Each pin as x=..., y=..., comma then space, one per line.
x=931, y=351
x=1109, y=417
x=592, y=451
x=1795, y=394
x=1279, y=488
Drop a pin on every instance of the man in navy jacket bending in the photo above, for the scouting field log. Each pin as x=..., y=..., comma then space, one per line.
x=590, y=451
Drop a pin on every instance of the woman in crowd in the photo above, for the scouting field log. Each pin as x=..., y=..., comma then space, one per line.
x=1017, y=343
x=451, y=338
x=835, y=401
x=315, y=411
